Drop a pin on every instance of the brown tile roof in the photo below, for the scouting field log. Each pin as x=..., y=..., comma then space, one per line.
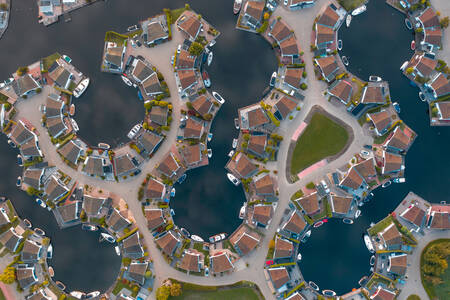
x=440, y=220
x=94, y=166
x=283, y=248
x=293, y=77
x=340, y=204
x=280, y=31
x=255, y=9
x=168, y=242
x=191, y=25
x=191, y=154
x=247, y=242
x=328, y=65
x=392, y=162
x=220, y=263
x=193, y=129
x=264, y=185
x=244, y=167
x=398, y=140
x=154, y=217
x=279, y=276
x=324, y=34
x=116, y=221
x=425, y=65
x=352, y=180
x=148, y=141
x=257, y=117
x=310, y=203
x=391, y=235
x=169, y=165
x=202, y=104
x=92, y=205
x=257, y=144
x=32, y=177
x=190, y=261
x=20, y=134
x=296, y=295
x=414, y=214
x=151, y=85
x=382, y=294
x=441, y=85
x=154, y=189
x=295, y=224
x=444, y=108
x=155, y=32
x=366, y=169
x=285, y=106
x=289, y=46
x=398, y=264
x=185, y=60
x=187, y=78
x=262, y=214
x=141, y=71
x=123, y=164
x=381, y=120
x=342, y=90
x=433, y=36
x=329, y=17
x=429, y=18
x=137, y=270
x=372, y=94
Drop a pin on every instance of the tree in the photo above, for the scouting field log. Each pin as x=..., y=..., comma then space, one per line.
x=444, y=22
x=413, y=297
x=4, y=6
x=163, y=292
x=310, y=185
x=175, y=289
x=22, y=70
x=8, y=276
x=196, y=49
x=409, y=70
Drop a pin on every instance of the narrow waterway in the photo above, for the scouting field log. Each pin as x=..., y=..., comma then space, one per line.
x=377, y=43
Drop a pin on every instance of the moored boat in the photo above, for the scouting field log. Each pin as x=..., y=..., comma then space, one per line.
x=368, y=243
x=396, y=107
x=185, y=232
x=273, y=79
x=51, y=272
x=413, y=45
x=172, y=192
x=233, y=179
x=357, y=214
x=72, y=109
x=359, y=10
x=234, y=144
x=236, y=123
x=386, y=184
x=74, y=125
x=372, y=260
x=399, y=180
x=313, y=285
x=107, y=237
x=318, y=224
x=103, y=146
x=196, y=238
x=306, y=236
x=209, y=151
x=329, y=293
x=89, y=227
x=67, y=58
x=231, y=153
x=374, y=78
x=422, y=97
x=217, y=238
x=210, y=57
x=39, y=231
x=218, y=97
x=60, y=285
x=117, y=249
x=210, y=136
x=408, y=24
x=27, y=223
x=77, y=294
x=339, y=45
x=348, y=20
x=206, y=79
x=404, y=65
x=182, y=178
x=93, y=294
x=41, y=203
x=347, y=221
x=50, y=251
x=126, y=80
x=242, y=211
x=81, y=88
x=345, y=60
x=237, y=6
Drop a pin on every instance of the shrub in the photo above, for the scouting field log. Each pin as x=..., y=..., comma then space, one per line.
x=310, y=185
x=303, y=86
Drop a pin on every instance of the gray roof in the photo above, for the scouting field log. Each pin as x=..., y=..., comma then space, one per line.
x=116, y=221
x=10, y=239
x=56, y=126
x=94, y=166
x=92, y=205
x=55, y=190
x=123, y=165
x=20, y=134
x=24, y=84
x=136, y=272
x=69, y=212
x=31, y=251
x=148, y=141
x=32, y=177
x=132, y=246
x=70, y=151
x=25, y=276
x=30, y=149
x=155, y=31
x=53, y=106
x=158, y=114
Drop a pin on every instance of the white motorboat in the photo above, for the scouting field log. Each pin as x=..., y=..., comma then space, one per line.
x=237, y=6
x=74, y=125
x=422, y=97
x=209, y=153
x=210, y=57
x=93, y=294
x=386, y=184
x=236, y=123
x=235, y=141
x=218, y=97
x=126, y=80
x=89, y=227
x=103, y=146
x=408, y=24
x=242, y=211
x=374, y=78
x=306, y=236
x=299, y=257
x=50, y=251
x=81, y=88
x=368, y=243
x=27, y=223
x=404, y=65
x=206, y=79
x=77, y=294
x=396, y=107
x=132, y=28
x=329, y=293
x=372, y=260
x=359, y=10
x=217, y=238
x=107, y=237
x=357, y=214
x=273, y=79
x=185, y=232
x=196, y=238
x=172, y=192
x=345, y=60
x=51, y=272
x=210, y=136
x=313, y=285
x=231, y=153
x=233, y=179
x=399, y=180
x=347, y=221
x=212, y=43
x=339, y=45
x=348, y=20
x=134, y=131
x=72, y=110
x=67, y=59
x=117, y=249
x=41, y=202
x=19, y=181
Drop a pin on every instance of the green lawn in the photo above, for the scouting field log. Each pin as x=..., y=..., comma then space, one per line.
x=351, y=4
x=244, y=293
x=436, y=291
x=322, y=138
x=2, y=297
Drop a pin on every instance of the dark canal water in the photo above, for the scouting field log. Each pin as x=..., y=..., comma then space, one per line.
x=377, y=43
x=207, y=203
